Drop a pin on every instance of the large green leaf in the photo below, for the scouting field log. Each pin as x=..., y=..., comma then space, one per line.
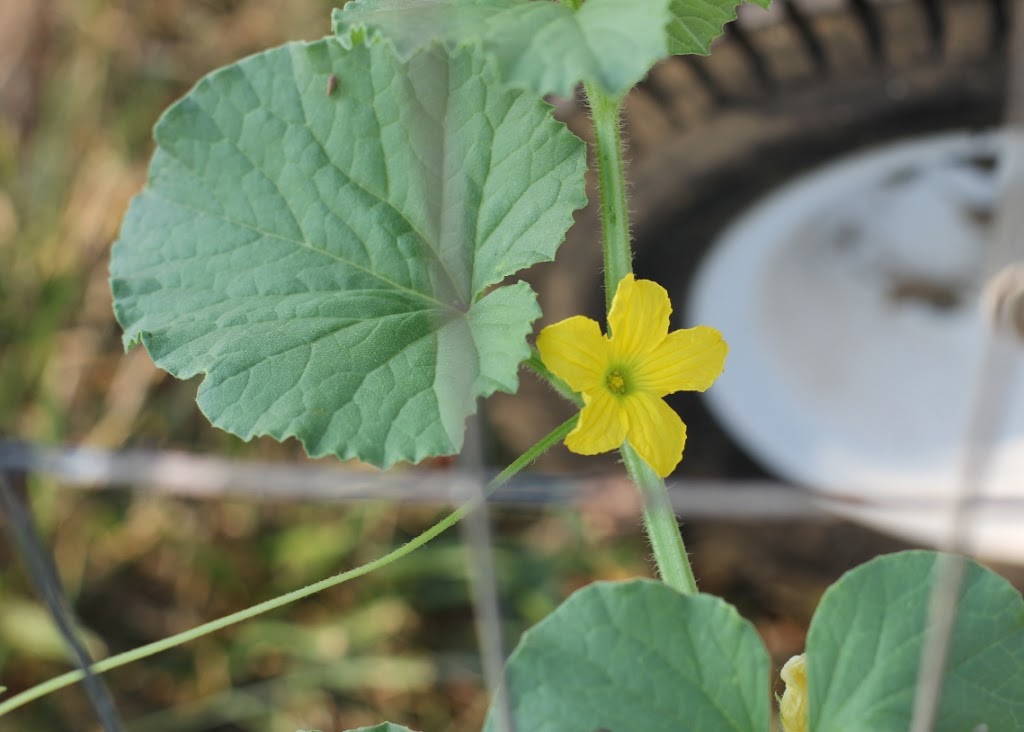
x=864, y=649
x=695, y=23
x=319, y=234
x=638, y=656
x=544, y=46
x=548, y=46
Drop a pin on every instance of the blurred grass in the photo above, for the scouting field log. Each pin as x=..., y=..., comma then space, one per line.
x=83, y=83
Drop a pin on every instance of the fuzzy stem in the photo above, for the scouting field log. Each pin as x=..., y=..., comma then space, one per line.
x=662, y=527
x=536, y=364
x=659, y=517
x=121, y=659
x=611, y=176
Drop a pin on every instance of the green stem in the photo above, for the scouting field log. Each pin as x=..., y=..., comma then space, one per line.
x=662, y=527
x=536, y=364
x=659, y=518
x=611, y=176
x=121, y=659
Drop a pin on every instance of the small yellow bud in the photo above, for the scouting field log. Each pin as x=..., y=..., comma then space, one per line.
x=793, y=705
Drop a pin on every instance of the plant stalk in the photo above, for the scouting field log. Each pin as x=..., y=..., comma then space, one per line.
x=659, y=517
x=536, y=364
x=662, y=528
x=611, y=176
x=121, y=659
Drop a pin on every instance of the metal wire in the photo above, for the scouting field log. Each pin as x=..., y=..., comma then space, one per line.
x=476, y=533
x=184, y=475
x=1002, y=359
x=44, y=577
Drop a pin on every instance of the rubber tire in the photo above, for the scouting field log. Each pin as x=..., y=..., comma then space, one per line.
x=709, y=136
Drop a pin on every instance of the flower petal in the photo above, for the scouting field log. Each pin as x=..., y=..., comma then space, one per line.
x=687, y=360
x=575, y=351
x=655, y=432
x=602, y=426
x=638, y=320
x=793, y=705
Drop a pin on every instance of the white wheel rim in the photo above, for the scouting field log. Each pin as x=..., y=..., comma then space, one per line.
x=850, y=299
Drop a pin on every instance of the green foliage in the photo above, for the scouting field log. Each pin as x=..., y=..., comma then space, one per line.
x=638, y=655
x=325, y=255
x=865, y=642
x=695, y=23
x=323, y=223
x=550, y=47
x=544, y=46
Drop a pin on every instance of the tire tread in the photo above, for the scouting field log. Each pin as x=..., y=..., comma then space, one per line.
x=806, y=33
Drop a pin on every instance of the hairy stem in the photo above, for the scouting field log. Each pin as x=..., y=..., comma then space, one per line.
x=121, y=659
x=536, y=364
x=662, y=528
x=611, y=175
x=659, y=517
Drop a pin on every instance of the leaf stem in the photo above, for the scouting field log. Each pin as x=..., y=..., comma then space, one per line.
x=121, y=659
x=662, y=527
x=611, y=175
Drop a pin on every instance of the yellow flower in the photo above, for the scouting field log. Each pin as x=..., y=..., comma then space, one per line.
x=793, y=705
x=623, y=376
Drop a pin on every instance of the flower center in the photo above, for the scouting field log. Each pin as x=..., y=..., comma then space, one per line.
x=616, y=382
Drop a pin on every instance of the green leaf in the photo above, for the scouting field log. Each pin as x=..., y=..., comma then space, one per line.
x=638, y=656
x=319, y=235
x=546, y=47
x=695, y=23
x=865, y=642
x=549, y=47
